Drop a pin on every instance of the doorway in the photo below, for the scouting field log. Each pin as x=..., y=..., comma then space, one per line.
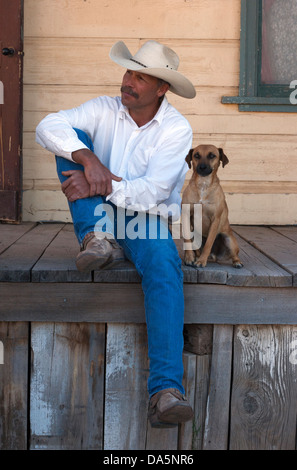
x=11, y=109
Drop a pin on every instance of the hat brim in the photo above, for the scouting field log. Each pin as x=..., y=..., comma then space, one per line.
x=179, y=84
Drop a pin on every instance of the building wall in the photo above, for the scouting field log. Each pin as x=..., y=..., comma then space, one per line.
x=67, y=43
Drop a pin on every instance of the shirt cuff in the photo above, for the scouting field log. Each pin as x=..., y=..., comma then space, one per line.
x=117, y=196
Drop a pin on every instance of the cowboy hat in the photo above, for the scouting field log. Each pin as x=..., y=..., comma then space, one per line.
x=157, y=60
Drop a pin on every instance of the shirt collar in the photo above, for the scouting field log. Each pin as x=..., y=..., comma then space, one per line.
x=123, y=112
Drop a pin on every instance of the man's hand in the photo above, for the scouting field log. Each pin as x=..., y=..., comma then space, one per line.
x=76, y=185
x=97, y=175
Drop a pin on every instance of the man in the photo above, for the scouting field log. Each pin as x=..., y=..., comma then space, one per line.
x=127, y=154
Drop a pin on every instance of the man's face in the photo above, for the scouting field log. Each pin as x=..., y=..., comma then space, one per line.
x=140, y=90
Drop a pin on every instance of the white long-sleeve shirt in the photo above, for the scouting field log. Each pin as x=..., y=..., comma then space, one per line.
x=150, y=159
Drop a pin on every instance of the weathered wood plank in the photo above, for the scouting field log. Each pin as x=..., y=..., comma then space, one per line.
x=213, y=273
x=52, y=205
x=287, y=231
x=98, y=302
x=17, y=261
x=258, y=270
x=14, y=367
x=262, y=209
x=238, y=124
x=262, y=271
x=217, y=415
x=67, y=384
x=123, y=272
x=126, y=17
x=126, y=397
x=185, y=434
x=39, y=163
x=161, y=439
x=281, y=249
x=264, y=390
x=51, y=98
x=10, y=233
x=57, y=263
x=203, y=364
x=243, y=209
x=46, y=64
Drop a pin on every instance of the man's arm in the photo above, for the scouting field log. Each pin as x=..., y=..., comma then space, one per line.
x=98, y=176
x=55, y=133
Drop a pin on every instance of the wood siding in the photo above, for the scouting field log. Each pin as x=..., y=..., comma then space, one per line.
x=67, y=63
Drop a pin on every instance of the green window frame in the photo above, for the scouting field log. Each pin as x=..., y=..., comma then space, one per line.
x=252, y=95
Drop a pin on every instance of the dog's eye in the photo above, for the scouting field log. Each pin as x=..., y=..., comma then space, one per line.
x=211, y=156
x=196, y=155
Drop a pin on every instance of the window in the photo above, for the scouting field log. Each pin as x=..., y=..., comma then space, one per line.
x=268, y=56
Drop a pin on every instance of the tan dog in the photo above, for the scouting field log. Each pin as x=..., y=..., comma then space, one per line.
x=204, y=188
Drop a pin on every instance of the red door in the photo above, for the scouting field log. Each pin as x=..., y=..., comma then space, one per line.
x=11, y=80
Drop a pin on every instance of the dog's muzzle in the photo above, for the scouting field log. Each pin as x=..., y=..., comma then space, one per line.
x=204, y=170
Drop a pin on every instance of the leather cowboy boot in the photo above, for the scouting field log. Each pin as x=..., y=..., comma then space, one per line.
x=98, y=253
x=169, y=407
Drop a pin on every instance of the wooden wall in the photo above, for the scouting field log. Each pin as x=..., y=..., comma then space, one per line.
x=66, y=63
x=69, y=386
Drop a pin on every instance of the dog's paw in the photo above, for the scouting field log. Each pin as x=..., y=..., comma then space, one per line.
x=200, y=263
x=189, y=258
x=237, y=264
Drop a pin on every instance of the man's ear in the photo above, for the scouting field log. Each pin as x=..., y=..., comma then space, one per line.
x=223, y=157
x=163, y=89
x=189, y=158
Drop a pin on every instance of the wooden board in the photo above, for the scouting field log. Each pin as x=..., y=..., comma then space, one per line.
x=126, y=397
x=17, y=261
x=186, y=434
x=217, y=413
x=203, y=364
x=57, y=263
x=10, y=233
x=282, y=250
x=125, y=17
x=264, y=392
x=67, y=385
x=14, y=369
x=97, y=302
x=289, y=232
x=44, y=54
x=262, y=271
x=263, y=169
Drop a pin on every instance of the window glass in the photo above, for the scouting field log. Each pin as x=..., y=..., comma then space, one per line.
x=279, y=42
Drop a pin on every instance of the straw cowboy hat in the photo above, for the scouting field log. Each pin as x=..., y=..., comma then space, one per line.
x=157, y=60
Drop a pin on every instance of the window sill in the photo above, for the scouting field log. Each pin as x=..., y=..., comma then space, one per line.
x=261, y=104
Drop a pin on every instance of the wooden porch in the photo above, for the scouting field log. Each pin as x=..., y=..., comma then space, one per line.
x=73, y=347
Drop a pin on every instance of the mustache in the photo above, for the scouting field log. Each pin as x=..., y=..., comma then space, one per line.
x=126, y=89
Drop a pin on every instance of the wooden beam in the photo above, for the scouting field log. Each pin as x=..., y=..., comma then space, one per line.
x=123, y=302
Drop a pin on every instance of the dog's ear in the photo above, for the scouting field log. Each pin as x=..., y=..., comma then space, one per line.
x=189, y=158
x=223, y=157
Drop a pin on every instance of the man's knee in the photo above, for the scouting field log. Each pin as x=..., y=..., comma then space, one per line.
x=84, y=138
x=63, y=164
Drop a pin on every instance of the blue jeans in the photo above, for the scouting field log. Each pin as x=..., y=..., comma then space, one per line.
x=158, y=263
